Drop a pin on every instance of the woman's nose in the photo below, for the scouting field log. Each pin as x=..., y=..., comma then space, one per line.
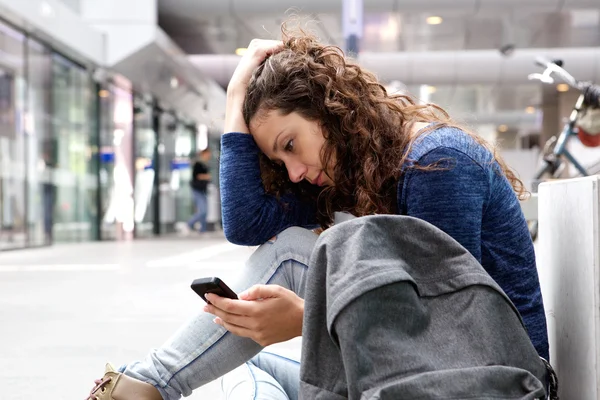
x=296, y=172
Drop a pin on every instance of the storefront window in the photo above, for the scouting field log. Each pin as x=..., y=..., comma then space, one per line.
x=145, y=145
x=167, y=137
x=80, y=161
x=181, y=166
x=117, y=166
x=13, y=232
x=73, y=139
x=37, y=125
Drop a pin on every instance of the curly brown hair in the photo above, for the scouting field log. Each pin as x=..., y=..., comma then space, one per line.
x=366, y=129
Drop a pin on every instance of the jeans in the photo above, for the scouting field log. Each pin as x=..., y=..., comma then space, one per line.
x=267, y=376
x=201, y=351
x=48, y=208
x=201, y=204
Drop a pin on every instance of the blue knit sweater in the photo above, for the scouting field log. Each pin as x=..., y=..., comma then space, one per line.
x=468, y=198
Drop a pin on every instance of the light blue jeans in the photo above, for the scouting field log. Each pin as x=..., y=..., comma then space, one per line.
x=267, y=376
x=201, y=351
x=201, y=204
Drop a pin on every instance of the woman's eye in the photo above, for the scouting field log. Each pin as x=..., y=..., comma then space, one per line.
x=289, y=146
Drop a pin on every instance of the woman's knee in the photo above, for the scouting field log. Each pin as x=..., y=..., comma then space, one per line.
x=282, y=260
x=294, y=240
x=293, y=243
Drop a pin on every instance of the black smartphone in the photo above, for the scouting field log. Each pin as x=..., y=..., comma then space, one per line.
x=212, y=285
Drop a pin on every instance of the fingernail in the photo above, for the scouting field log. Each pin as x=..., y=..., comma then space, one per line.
x=205, y=308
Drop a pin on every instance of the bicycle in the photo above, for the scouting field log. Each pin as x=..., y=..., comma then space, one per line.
x=555, y=151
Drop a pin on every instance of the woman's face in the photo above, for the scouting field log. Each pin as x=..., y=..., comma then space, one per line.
x=294, y=142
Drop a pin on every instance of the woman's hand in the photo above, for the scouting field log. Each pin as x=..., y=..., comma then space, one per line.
x=266, y=314
x=257, y=52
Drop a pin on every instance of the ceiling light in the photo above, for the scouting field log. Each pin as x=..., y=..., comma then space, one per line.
x=434, y=20
x=240, y=51
x=530, y=110
x=562, y=87
x=103, y=93
x=502, y=128
x=431, y=89
x=174, y=83
x=46, y=9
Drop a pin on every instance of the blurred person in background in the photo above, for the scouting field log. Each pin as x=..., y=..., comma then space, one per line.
x=199, y=185
x=309, y=133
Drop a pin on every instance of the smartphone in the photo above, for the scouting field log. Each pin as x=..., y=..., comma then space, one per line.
x=212, y=285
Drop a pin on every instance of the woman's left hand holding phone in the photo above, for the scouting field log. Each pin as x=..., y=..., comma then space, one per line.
x=267, y=314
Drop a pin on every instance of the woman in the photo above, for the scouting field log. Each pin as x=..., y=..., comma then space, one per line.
x=330, y=138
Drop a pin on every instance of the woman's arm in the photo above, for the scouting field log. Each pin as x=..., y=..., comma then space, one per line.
x=452, y=198
x=250, y=215
x=463, y=198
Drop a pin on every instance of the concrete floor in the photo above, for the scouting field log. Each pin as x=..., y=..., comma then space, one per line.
x=68, y=309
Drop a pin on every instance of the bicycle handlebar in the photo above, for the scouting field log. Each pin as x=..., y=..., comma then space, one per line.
x=541, y=62
x=552, y=67
x=590, y=91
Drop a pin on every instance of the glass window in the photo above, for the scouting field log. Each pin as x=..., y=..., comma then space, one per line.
x=13, y=211
x=145, y=145
x=116, y=165
x=71, y=150
x=181, y=167
x=167, y=138
x=37, y=125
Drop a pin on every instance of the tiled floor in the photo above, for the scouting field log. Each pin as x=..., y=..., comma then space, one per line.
x=66, y=310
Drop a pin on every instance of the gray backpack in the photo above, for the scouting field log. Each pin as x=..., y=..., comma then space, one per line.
x=397, y=309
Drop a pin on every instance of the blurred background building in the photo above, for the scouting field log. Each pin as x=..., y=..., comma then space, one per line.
x=104, y=103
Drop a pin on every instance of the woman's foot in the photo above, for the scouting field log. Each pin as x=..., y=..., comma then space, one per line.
x=116, y=386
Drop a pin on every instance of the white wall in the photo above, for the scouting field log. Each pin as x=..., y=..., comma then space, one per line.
x=128, y=25
x=58, y=24
x=130, y=11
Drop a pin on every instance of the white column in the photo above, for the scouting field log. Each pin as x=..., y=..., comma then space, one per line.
x=569, y=267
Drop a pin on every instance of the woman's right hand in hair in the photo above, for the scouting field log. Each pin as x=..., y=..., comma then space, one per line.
x=257, y=52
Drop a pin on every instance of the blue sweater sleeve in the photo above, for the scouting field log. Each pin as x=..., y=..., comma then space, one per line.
x=476, y=205
x=250, y=215
x=451, y=198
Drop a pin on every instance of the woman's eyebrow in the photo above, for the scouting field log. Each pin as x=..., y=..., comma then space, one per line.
x=276, y=141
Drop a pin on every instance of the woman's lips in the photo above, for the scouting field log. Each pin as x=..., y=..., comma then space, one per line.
x=319, y=179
